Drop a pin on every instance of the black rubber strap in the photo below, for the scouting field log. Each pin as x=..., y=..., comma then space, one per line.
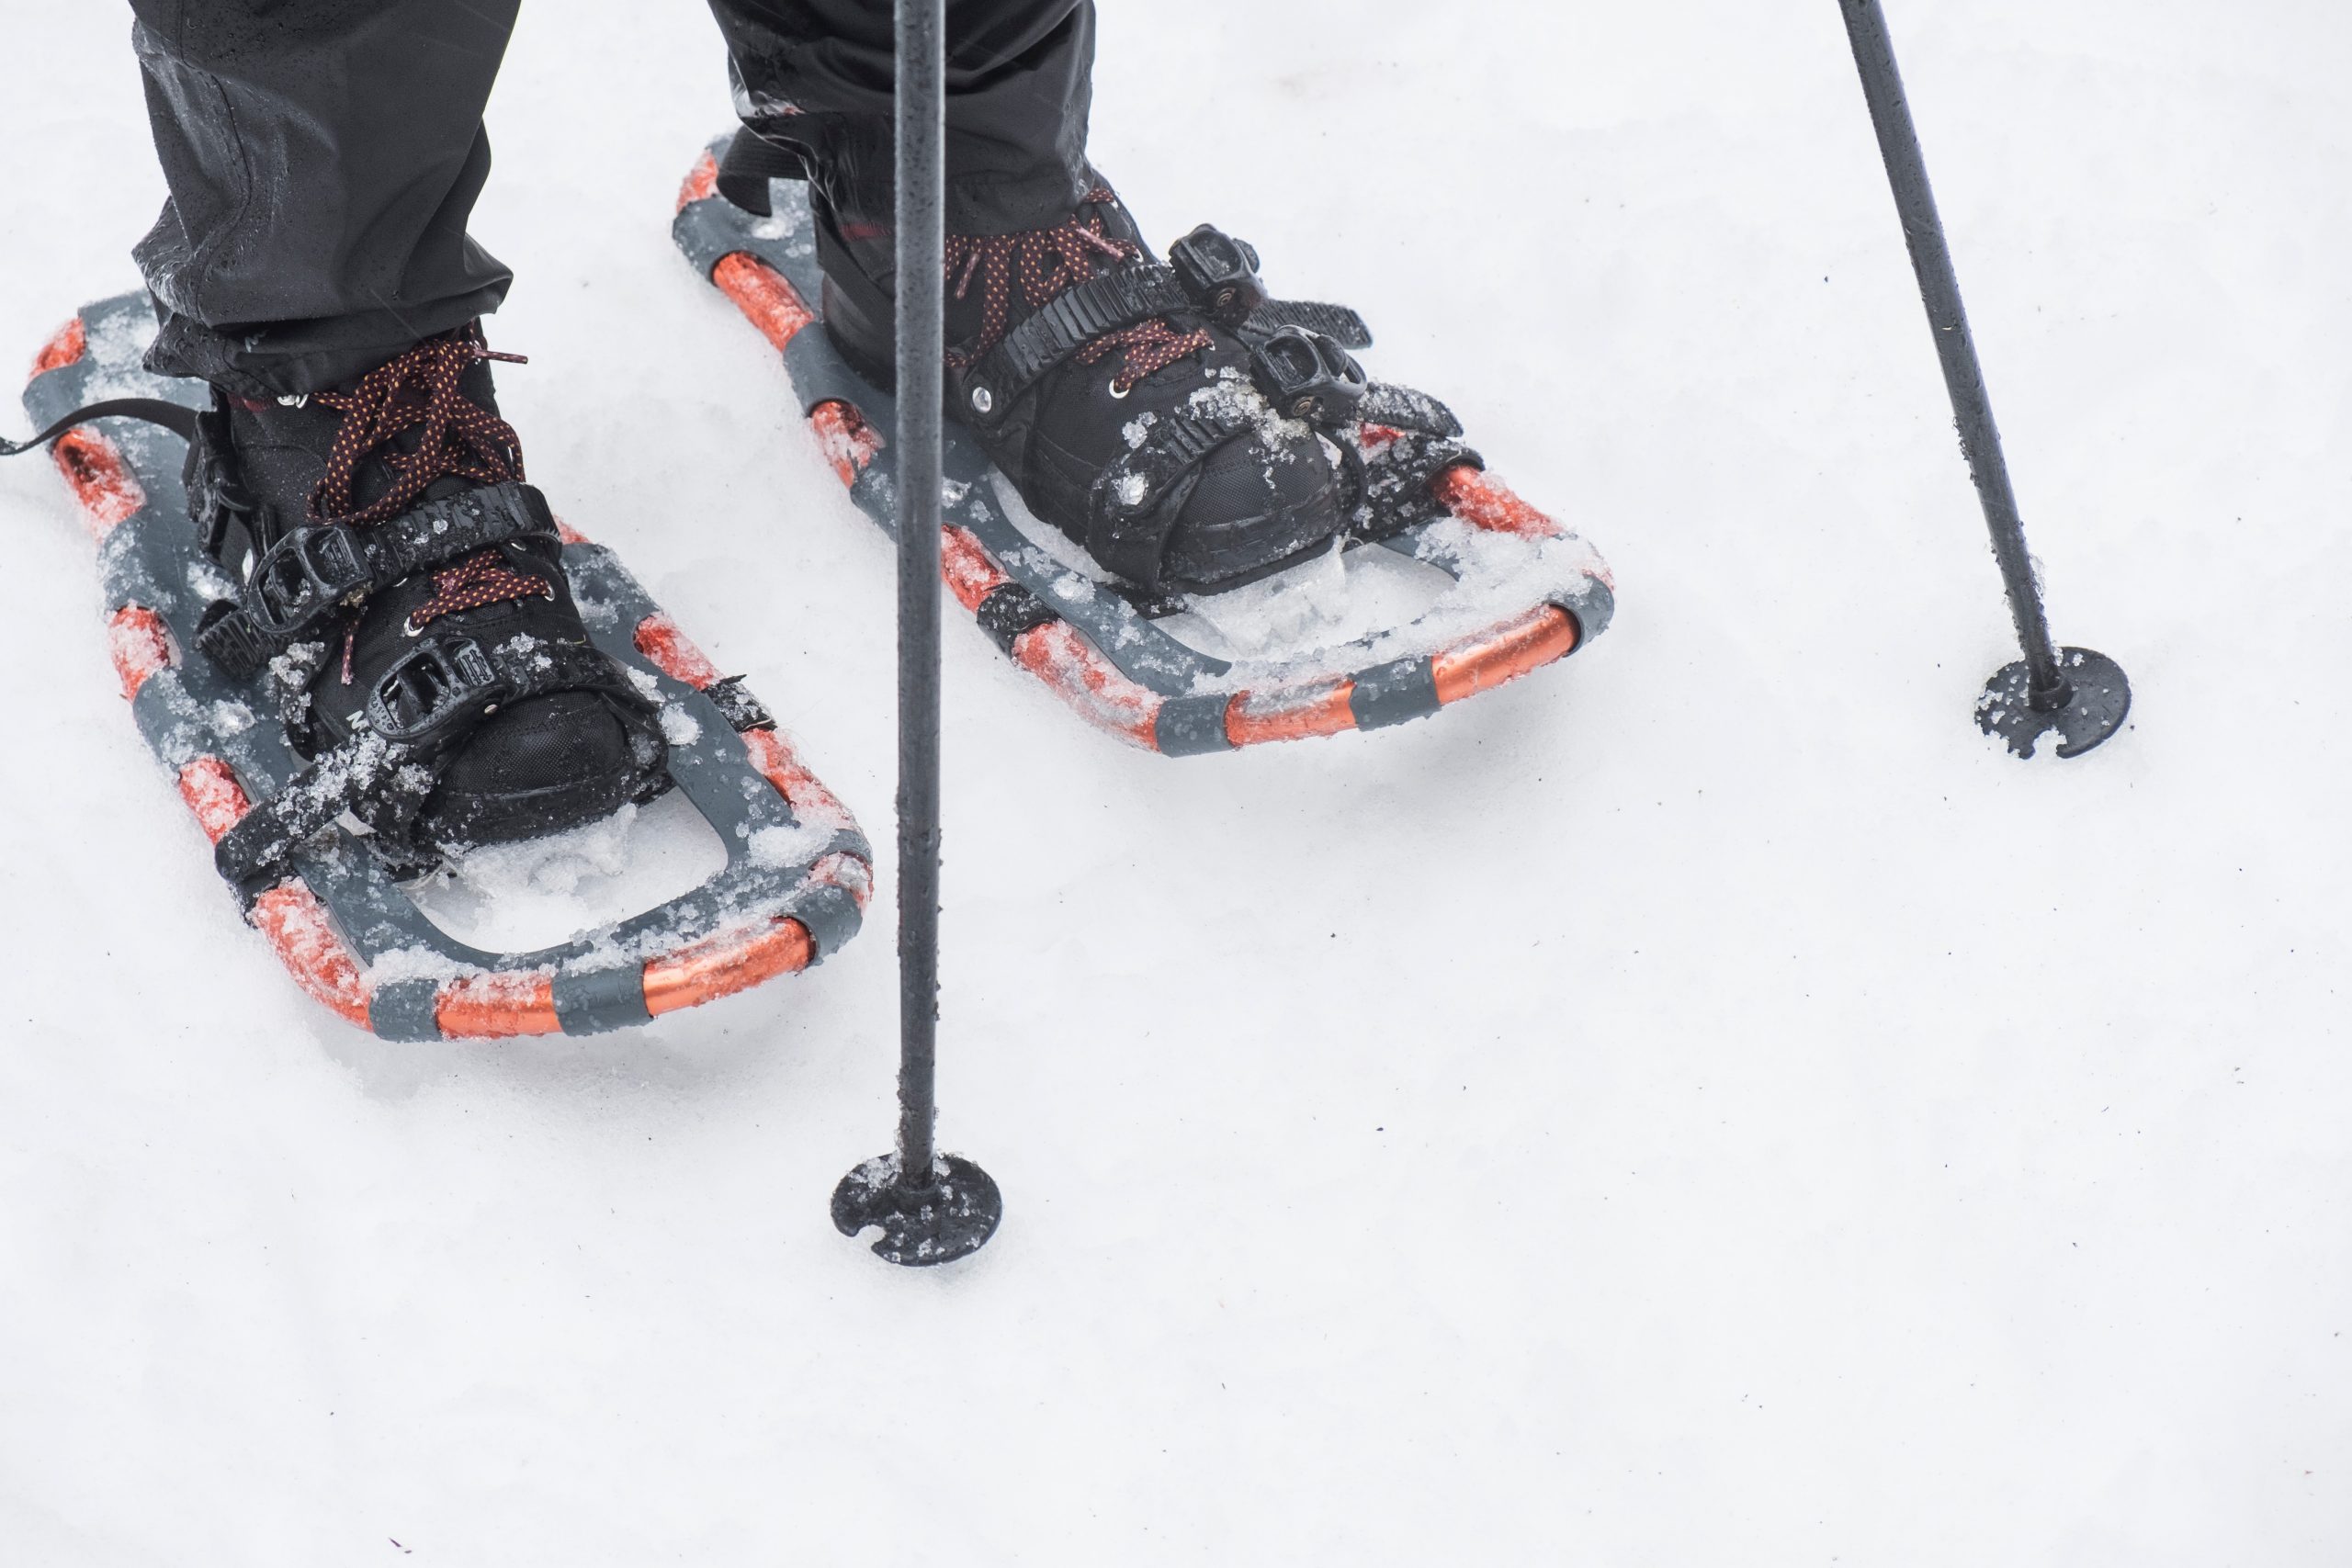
x=178, y=418
x=1135, y=500
x=1010, y=610
x=736, y=704
x=1391, y=486
x=434, y=532
x=1065, y=324
x=1401, y=408
x=751, y=160
x=366, y=768
x=1337, y=323
x=384, y=773
x=304, y=576
x=459, y=681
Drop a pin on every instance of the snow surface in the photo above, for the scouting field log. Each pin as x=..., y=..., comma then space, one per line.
x=1703, y=1104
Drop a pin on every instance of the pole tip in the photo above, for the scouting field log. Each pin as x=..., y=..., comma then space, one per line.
x=2097, y=699
x=951, y=1217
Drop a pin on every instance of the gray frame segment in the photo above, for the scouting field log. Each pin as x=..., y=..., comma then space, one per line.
x=1392, y=693
x=1594, y=606
x=1192, y=726
x=404, y=1010
x=832, y=917
x=593, y=1002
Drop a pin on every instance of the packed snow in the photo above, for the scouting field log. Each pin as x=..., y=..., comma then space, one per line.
x=543, y=892
x=1702, y=1104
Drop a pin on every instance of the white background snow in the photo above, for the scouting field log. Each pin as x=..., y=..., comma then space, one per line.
x=1704, y=1104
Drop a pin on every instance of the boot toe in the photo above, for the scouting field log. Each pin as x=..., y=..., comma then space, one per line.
x=1260, y=502
x=540, y=766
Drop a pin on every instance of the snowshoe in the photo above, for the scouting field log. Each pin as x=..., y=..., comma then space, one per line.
x=1419, y=582
x=328, y=800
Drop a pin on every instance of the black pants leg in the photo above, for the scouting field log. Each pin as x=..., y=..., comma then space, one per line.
x=323, y=157
x=816, y=75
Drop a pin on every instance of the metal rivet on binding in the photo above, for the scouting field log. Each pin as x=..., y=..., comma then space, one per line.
x=983, y=400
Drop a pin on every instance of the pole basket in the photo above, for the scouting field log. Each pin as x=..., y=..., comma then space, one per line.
x=951, y=1217
x=2088, y=704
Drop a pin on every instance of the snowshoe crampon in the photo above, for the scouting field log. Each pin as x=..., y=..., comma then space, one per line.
x=797, y=872
x=1525, y=590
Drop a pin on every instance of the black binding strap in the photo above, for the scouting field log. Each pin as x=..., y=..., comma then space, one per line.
x=217, y=498
x=1010, y=610
x=178, y=418
x=1401, y=408
x=736, y=704
x=305, y=575
x=365, y=769
x=1390, y=486
x=1065, y=324
x=1337, y=323
x=417, y=712
x=751, y=160
x=1135, y=500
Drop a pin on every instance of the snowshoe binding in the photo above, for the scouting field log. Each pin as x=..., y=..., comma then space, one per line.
x=443, y=666
x=1162, y=483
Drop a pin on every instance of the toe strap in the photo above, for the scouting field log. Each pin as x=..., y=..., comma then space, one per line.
x=418, y=714
x=1136, y=501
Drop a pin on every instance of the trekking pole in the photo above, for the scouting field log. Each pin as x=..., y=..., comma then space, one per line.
x=931, y=1209
x=2081, y=694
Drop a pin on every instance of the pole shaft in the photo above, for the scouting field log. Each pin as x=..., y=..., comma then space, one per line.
x=1923, y=231
x=921, y=212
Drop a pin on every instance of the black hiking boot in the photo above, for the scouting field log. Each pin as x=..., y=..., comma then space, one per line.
x=1126, y=413
x=405, y=453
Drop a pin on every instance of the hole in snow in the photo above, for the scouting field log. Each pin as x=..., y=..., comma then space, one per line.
x=520, y=898
x=1333, y=599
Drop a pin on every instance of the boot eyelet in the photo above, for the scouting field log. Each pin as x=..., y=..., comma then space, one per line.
x=408, y=626
x=1116, y=393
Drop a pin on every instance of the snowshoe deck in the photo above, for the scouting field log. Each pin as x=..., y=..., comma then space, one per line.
x=1527, y=591
x=343, y=927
